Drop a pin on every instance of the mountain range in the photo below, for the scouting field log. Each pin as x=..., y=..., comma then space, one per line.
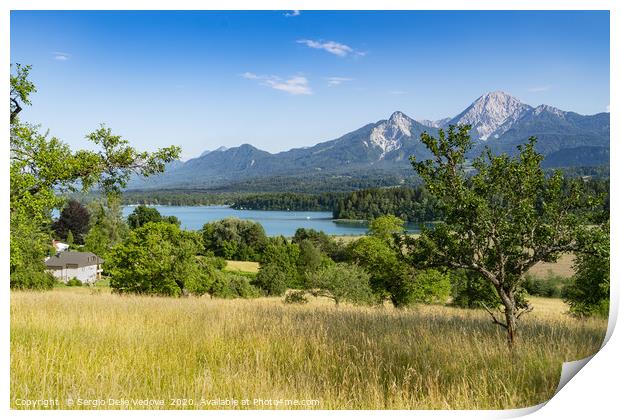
x=498, y=120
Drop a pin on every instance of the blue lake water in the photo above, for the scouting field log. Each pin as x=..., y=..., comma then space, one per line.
x=275, y=222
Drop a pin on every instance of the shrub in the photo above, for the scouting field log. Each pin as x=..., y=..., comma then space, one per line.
x=296, y=297
x=30, y=279
x=342, y=282
x=553, y=286
x=272, y=279
x=74, y=282
x=588, y=292
x=285, y=256
x=230, y=286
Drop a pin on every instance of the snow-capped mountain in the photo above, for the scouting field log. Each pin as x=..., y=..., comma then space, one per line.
x=499, y=121
x=491, y=115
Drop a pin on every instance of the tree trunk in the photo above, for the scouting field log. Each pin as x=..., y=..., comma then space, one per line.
x=511, y=325
x=508, y=300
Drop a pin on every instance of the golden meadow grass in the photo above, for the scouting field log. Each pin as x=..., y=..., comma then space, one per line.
x=69, y=343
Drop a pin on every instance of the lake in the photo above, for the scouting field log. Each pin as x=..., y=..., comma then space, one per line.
x=275, y=222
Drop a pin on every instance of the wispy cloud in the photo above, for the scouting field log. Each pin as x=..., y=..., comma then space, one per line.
x=397, y=92
x=539, y=88
x=61, y=56
x=295, y=85
x=332, y=47
x=292, y=13
x=336, y=81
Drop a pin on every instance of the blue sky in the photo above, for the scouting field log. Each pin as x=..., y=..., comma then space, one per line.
x=280, y=79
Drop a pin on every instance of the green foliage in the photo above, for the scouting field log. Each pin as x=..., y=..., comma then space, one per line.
x=235, y=239
x=588, y=292
x=159, y=259
x=297, y=297
x=552, y=286
x=342, y=282
x=32, y=279
x=286, y=201
x=285, y=255
x=41, y=167
x=387, y=228
x=73, y=282
x=471, y=290
x=144, y=214
x=272, y=279
x=431, y=286
x=500, y=219
x=408, y=204
x=381, y=260
x=229, y=286
x=108, y=227
x=335, y=250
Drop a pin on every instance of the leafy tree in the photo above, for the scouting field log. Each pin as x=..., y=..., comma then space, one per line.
x=499, y=221
x=158, y=259
x=381, y=260
x=69, y=238
x=336, y=250
x=74, y=219
x=588, y=293
x=21, y=88
x=272, y=279
x=279, y=252
x=142, y=215
x=342, y=282
x=386, y=227
x=108, y=227
x=235, y=239
x=42, y=166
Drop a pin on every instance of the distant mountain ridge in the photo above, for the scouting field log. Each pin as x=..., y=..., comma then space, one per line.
x=499, y=121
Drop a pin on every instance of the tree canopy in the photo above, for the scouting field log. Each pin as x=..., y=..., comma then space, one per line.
x=502, y=215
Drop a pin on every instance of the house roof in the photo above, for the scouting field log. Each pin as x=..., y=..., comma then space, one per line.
x=81, y=259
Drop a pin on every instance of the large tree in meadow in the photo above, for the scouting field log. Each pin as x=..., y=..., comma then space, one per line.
x=42, y=166
x=502, y=215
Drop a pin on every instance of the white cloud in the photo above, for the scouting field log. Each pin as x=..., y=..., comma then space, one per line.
x=607, y=108
x=336, y=81
x=61, y=56
x=332, y=47
x=292, y=13
x=295, y=85
x=539, y=88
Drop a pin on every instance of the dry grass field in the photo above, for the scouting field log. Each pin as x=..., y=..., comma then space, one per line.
x=108, y=351
x=243, y=266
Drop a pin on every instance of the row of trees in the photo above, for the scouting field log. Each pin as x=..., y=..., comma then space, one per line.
x=409, y=204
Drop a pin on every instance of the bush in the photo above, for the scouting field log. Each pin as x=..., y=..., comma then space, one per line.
x=235, y=239
x=230, y=286
x=30, y=279
x=74, y=282
x=272, y=279
x=158, y=259
x=296, y=297
x=588, y=292
x=552, y=286
x=342, y=282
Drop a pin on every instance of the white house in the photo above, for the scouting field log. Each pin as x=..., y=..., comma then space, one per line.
x=84, y=266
